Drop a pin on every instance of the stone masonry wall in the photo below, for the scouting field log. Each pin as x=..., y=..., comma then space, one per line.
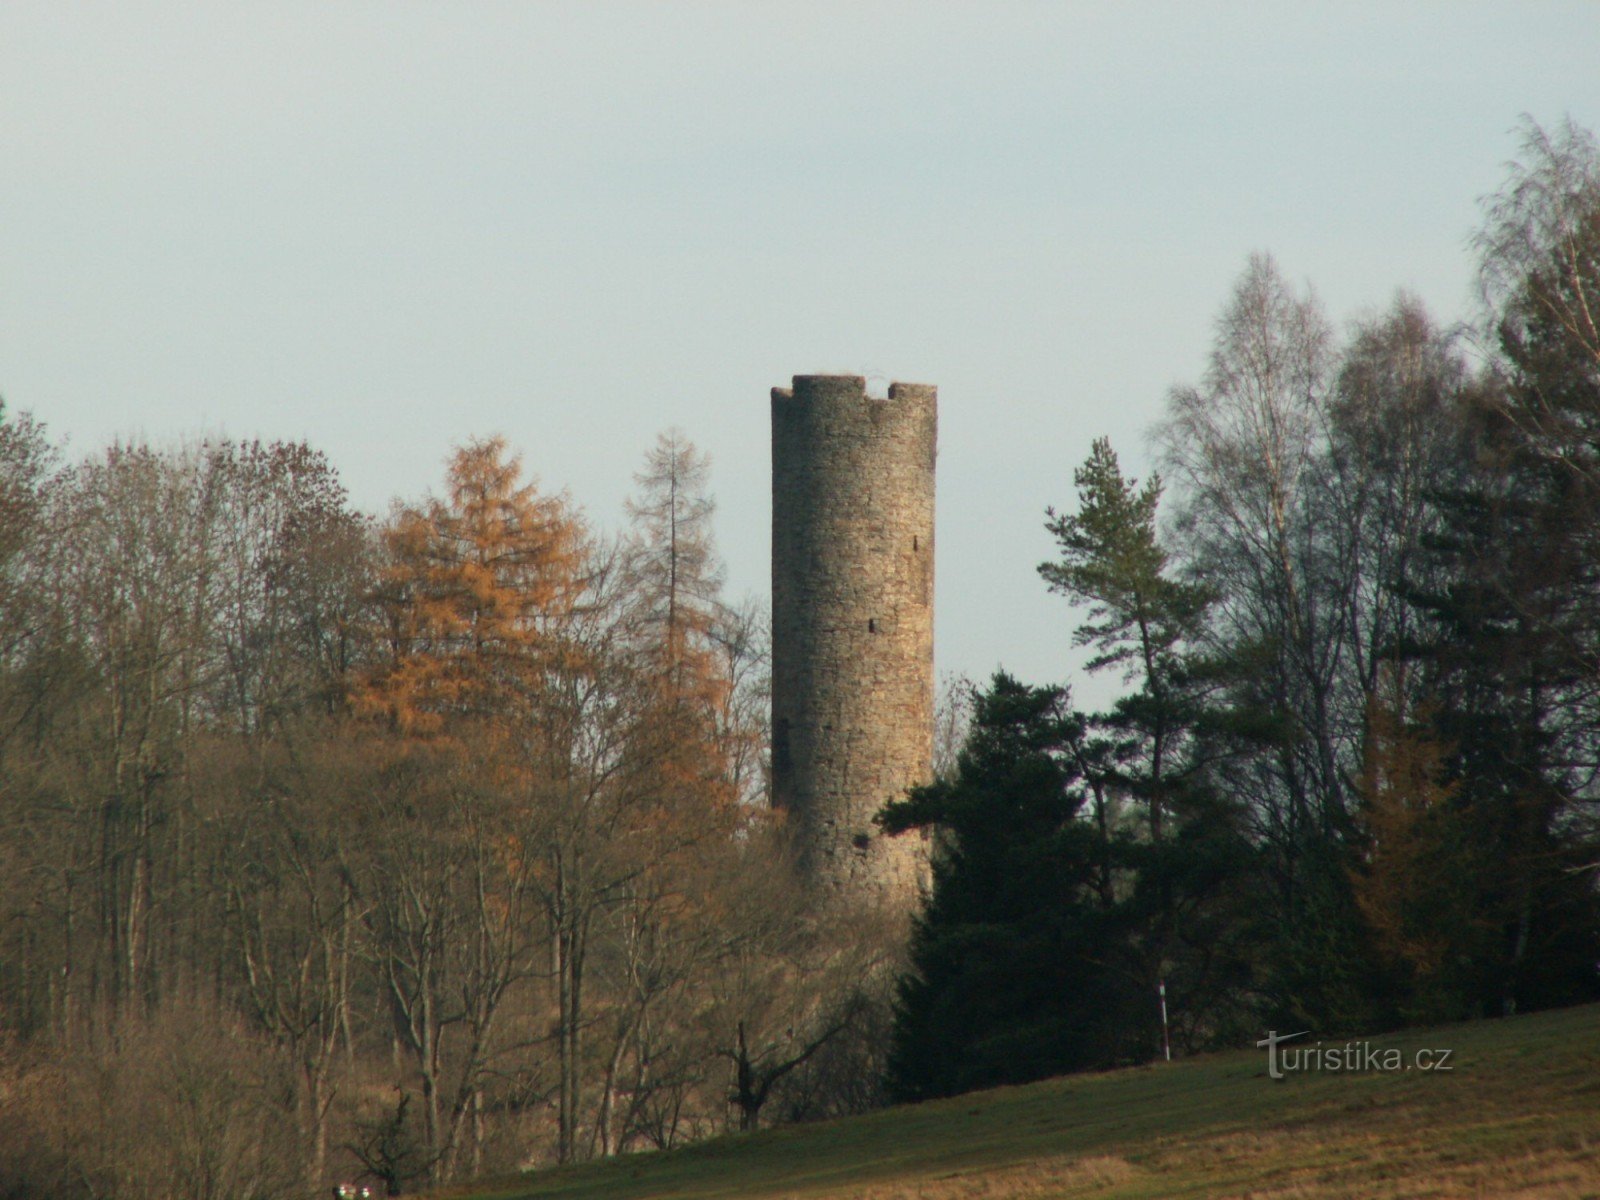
x=852, y=626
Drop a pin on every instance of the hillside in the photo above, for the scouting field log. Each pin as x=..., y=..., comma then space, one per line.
x=1518, y=1114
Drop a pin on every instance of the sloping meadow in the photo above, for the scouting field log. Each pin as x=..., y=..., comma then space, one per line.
x=1512, y=1110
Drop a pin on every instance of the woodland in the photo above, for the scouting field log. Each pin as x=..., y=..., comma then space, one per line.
x=407, y=849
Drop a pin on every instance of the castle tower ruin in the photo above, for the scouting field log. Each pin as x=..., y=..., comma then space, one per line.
x=852, y=627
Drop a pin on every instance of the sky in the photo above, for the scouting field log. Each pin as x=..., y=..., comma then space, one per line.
x=387, y=227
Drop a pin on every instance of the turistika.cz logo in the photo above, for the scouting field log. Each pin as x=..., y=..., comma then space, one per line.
x=1350, y=1057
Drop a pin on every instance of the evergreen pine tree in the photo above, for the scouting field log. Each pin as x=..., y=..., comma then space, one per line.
x=1017, y=971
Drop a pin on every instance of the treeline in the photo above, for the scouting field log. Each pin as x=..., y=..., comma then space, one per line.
x=404, y=849
x=1351, y=782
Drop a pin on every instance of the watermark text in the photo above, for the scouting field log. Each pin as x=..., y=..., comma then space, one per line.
x=1350, y=1057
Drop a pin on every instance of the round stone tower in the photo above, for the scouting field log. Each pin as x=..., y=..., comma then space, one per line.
x=852, y=627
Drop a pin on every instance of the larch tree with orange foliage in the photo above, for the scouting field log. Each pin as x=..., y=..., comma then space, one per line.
x=479, y=603
x=476, y=598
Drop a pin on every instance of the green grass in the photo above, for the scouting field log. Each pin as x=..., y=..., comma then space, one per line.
x=1519, y=1115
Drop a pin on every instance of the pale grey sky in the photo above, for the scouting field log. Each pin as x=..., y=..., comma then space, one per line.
x=385, y=227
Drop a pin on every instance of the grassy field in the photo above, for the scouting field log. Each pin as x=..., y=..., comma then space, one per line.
x=1518, y=1114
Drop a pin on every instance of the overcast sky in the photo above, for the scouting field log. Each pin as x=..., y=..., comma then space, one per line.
x=387, y=227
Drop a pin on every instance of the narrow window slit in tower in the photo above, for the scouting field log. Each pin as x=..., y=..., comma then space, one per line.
x=915, y=545
x=872, y=625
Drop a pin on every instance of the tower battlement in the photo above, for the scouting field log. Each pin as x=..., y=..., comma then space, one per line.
x=852, y=625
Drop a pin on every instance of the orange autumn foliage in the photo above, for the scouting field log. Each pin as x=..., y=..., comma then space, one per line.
x=475, y=599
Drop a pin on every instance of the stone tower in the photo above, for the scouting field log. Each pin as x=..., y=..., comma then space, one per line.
x=852, y=627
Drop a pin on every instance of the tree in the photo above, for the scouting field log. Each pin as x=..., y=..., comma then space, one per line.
x=1540, y=281
x=25, y=462
x=1242, y=448
x=1301, y=497
x=695, y=652
x=1148, y=747
x=157, y=611
x=292, y=910
x=1394, y=439
x=1016, y=970
x=786, y=994
x=758, y=1068
x=483, y=684
x=673, y=561
x=1140, y=619
x=1540, y=277
x=1419, y=875
x=296, y=566
x=32, y=679
x=952, y=721
x=475, y=599
x=744, y=649
x=387, y=1147
x=1510, y=637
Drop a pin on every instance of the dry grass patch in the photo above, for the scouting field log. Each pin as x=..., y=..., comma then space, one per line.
x=1046, y=1179
x=1404, y=1163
